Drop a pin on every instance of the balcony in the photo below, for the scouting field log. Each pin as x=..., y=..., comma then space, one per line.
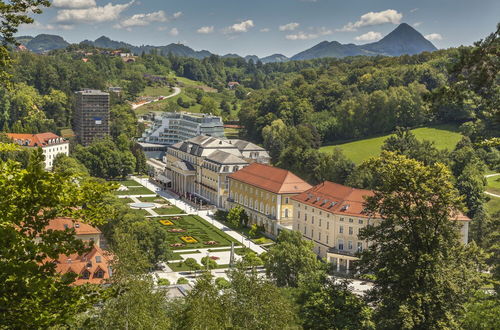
x=342, y=252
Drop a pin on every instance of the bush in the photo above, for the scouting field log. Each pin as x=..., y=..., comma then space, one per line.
x=261, y=240
x=222, y=283
x=182, y=280
x=220, y=215
x=211, y=263
x=163, y=282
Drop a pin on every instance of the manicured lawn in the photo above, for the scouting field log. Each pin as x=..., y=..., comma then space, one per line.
x=493, y=205
x=157, y=91
x=128, y=183
x=140, y=212
x=444, y=137
x=198, y=229
x=134, y=191
x=180, y=267
x=494, y=184
x=154, y=199
x=168, y=211
x=126, y=200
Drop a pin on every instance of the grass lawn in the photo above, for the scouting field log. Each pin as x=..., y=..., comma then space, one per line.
x=126, y=200
x=494, y=184
x=168, y=211
x=134, y=191
x=128, y=183
x=157, y=91
x=231, y=133
x=140, y=212
x=180, y=267
x=197, y=228
x=444, y=137
x=493, y=205
x=153, y=199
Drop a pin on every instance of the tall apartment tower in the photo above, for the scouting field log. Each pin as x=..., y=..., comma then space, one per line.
x=91, y=115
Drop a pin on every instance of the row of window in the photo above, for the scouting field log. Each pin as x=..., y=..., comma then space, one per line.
x=254, y=204
x=340, y=241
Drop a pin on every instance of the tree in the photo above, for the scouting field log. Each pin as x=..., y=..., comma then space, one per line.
x=327, y=303
x=208, y=263
x=237, y=217
x=251, y=259
x=290, y=258
x=192, y=264
x=482, y=312
x=13, y=14
x=424, y=274
x=209, y=106
x=33, y=293
x=69, y=166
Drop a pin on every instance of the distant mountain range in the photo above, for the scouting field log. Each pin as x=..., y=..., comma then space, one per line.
x=403, y=40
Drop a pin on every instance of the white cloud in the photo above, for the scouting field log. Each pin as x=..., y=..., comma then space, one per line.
x=265, y=30
x=142, y=19
x=417, y=24
x=39, y=26
x=241, y=27
x=178, y=14
x=413, y=10
x=289, y=27
x=74, y=4
x=433, y=36
x=174, y=32
x=205, y=30
x=369, y=36
x=301, y=36
x=105, y=13
x=322, y=31
x=374, y=18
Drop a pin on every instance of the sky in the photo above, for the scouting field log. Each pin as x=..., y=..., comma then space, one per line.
x=264, y=27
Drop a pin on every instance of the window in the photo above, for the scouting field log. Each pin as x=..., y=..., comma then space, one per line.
x=327, y=225
x=341, y=244
x=350, y=230
x=86, y=275
x=341, y=229
x=312, y=233
x=326, y=239
x=305, y=217
x=98, y=259
x=360, y=246
x=305, y=230
x=312, y=221
x=319, y=236
x=360, y=221
x=286, y=200
x=99, y=274
x=298, y=214
x=351, y=220
x=286, y=213
x=349, y=245
x=320, y=222
x=298, y=227
x=341, y=219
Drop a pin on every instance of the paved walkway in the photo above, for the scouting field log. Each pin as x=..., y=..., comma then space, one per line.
x=176, y=92
x=205, y=215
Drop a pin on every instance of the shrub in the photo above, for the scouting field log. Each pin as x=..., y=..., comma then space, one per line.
x=163, y=281
x=182, y=280
x=222, y=283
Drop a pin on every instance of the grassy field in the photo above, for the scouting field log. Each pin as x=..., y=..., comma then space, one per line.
x=169, y=211
x=134, y=188
x=197, y=228
x=444, y=137
x=493, y=205
x=494, y=184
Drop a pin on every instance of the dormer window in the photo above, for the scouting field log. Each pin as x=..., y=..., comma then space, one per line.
x=99, y=274
x=86, y=275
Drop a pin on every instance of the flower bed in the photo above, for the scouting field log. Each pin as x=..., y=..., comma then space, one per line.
x=166, y=222
x=176, y=230
x=214, y=258
x=211, y=243
x=189, y=239
x=176, y=245
x=176, y=218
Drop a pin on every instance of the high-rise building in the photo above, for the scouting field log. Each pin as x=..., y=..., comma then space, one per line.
x=91, y=115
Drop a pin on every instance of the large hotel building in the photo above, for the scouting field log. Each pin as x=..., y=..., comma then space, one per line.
x=91, y=121
x=331, y=215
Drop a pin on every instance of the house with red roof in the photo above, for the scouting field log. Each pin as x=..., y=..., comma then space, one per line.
x=331, y=215
x=51, y=144
x=265, y=193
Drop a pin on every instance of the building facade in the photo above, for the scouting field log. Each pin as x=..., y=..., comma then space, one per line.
x=174, y=127
x=265, y=193
x=200, y=166
x=91, y=120
x=51, y=144
x=331, y=215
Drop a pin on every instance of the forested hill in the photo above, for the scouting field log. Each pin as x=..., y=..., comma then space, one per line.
x=403, y=40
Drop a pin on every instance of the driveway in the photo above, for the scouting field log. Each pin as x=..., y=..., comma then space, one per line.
x=176, y=92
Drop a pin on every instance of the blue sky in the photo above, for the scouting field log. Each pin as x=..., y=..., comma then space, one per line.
x=264, y=27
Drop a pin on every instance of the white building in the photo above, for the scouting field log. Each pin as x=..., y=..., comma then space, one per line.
x=173, y=127
x=51, y=144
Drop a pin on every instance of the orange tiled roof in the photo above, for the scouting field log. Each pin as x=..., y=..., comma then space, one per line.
x=335, y=198
x=80, y=227
x=339, y=199
x=36, y=140
x=271, y=178
x=92, y=262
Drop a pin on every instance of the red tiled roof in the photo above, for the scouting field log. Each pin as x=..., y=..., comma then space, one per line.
x=78, y=264
x=271, y=178
x=35, y=140
x=80, y=227
x=346, y=200
x=335, y=198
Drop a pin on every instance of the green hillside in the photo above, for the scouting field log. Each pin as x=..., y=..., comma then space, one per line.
x=444, y=136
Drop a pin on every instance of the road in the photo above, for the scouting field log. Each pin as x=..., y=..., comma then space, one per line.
x=487, y=192
x=176, y=92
